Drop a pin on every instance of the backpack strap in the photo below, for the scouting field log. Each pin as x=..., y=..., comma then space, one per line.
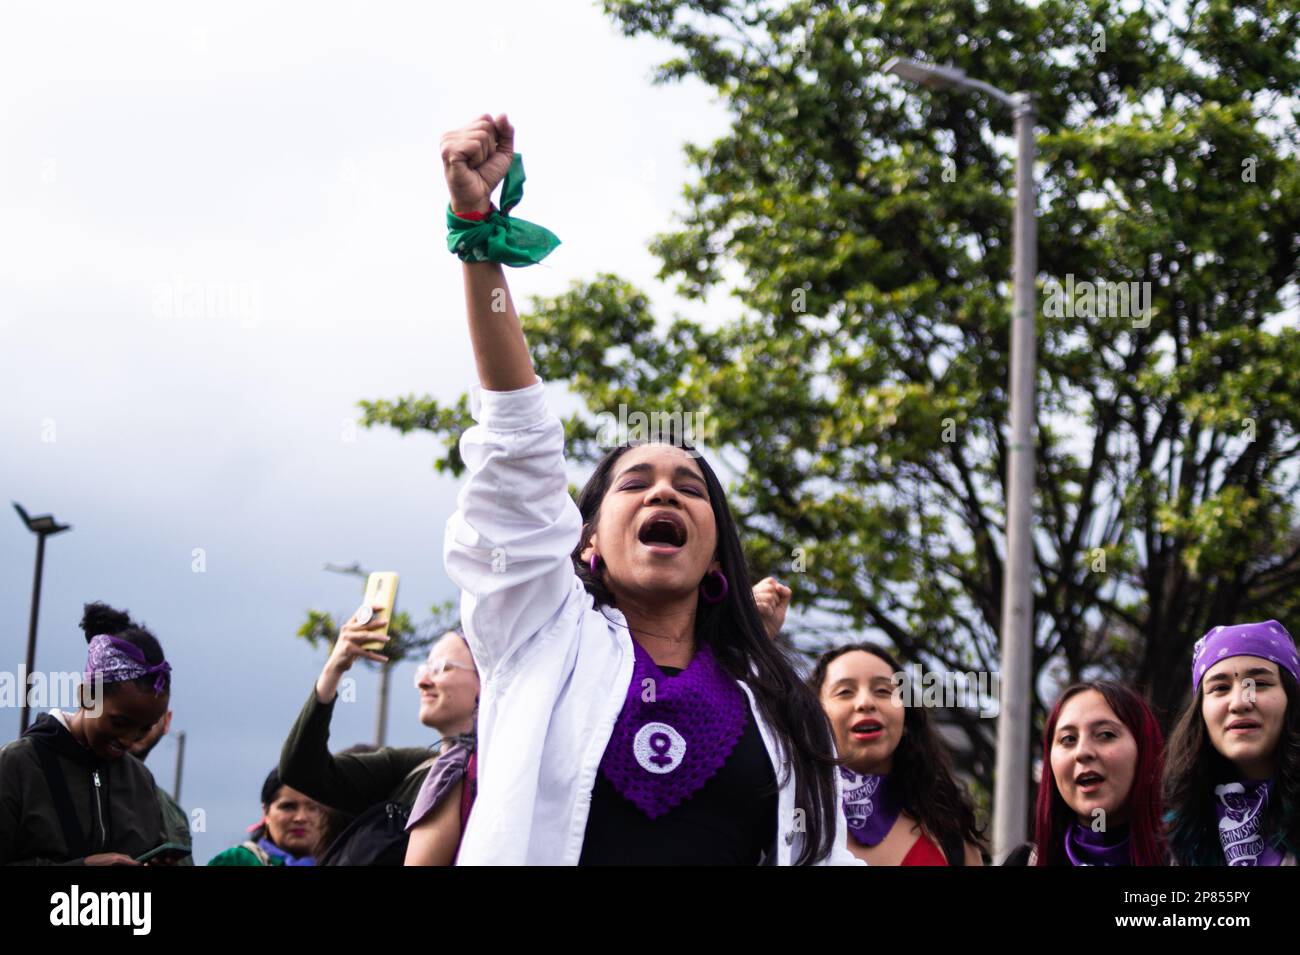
x=73, y=835
x=263, y=857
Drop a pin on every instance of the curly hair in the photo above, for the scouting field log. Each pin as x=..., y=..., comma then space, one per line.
x=99, y=618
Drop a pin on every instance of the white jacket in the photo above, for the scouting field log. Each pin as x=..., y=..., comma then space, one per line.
x=554, y=669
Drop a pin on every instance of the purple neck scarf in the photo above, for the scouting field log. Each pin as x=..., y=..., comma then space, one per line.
x=273, y=850
x=118, y=660
x=673, y=733
x=871, y=806
x=1240, y=809
x=1085, y=847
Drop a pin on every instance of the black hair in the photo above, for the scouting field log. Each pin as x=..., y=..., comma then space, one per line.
x=735, y=633
x=271, y=787
x=100, y=618
x=928, y=789
x=1193, y=767
x=270, y=790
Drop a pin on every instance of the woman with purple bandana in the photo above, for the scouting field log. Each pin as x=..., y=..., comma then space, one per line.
x=901, y=802
x=450, y=682
x=1099, y=797
x=291, y=832
x=70, y=791
x=1232, y=775
x=633, y=708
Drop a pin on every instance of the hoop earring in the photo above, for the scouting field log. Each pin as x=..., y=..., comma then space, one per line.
x=711, y=598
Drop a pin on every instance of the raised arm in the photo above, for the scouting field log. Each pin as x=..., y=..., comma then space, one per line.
x=508, y=544
x=475, y=159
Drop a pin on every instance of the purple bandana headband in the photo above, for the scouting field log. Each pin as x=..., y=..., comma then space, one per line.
x=1268, y=640
x=116, y=660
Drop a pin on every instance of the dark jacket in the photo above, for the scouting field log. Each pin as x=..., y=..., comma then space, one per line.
x=114, y=802
x=176, y=823
x=1023, y=854
x=348, y=782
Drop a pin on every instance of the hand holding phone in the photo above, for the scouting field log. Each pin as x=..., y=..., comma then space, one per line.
x=381, y=592
x=169, y=853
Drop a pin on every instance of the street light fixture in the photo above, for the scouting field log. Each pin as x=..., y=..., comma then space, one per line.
x=43, y=527
x=1011, y=775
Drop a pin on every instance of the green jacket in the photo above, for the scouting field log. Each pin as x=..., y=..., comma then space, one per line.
x=115, y=802
x=348, y=782
x=247, y=854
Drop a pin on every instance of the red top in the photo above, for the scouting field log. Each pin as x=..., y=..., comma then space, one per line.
x=924, y=852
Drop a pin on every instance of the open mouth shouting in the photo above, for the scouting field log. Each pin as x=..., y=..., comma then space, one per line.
x=663, y=532
x=1089, y=782
x=867, y=731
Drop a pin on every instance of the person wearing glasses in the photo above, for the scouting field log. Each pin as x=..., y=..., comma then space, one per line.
x=448, y=686
x=380, y=787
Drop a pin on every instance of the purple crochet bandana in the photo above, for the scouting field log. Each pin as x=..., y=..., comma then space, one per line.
x=1240, y=809
x=870, y=806
x=1085, y=847
x=1268, y=640
x=674, y=732
x=116, y=660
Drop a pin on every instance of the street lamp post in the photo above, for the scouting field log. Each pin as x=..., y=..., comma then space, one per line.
x=43, y=527
x=1011, y=776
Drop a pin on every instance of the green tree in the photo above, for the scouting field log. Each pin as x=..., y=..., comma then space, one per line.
x=857, y=390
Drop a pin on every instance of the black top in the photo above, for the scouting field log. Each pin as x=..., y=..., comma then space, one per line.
x=1019, y=855
x=730, y=820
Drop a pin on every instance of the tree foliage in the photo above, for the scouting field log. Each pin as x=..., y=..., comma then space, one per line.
x=857, y=388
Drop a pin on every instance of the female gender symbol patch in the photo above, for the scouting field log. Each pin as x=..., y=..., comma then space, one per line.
x=658, y=748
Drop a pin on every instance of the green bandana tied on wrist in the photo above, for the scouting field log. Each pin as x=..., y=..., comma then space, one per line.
x=499, y=237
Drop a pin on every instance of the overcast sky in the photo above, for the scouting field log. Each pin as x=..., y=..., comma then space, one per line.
x=282, y=160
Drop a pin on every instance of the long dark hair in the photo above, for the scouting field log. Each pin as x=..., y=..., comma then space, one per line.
x=1193, y=767
x=928, y=790
x=100, y=618
x=1052, y=816
x=734, y=631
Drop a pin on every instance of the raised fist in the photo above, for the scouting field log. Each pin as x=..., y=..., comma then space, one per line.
x=475, y=158
x=773, y=599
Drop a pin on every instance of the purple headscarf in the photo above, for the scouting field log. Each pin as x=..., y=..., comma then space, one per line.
x=1268, y=640
x=116, y=660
